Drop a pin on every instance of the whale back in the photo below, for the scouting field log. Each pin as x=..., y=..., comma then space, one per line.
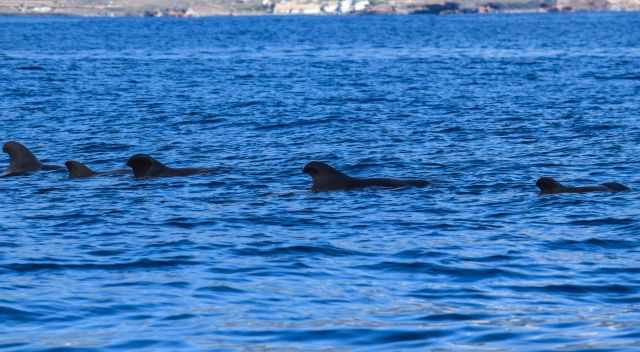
x=549, y=185
x=392, y=183
x=78, y=170
x=21, y=158
x=616, y=187
x=186, y=171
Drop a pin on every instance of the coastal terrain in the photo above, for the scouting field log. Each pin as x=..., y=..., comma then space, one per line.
x=203, y=8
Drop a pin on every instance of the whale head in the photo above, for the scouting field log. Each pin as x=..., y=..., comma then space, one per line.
x=77, y=169
x=144, y=166
x=548, y=185
x=318, y=168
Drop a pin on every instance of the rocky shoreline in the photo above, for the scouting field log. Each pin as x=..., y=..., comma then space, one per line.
x=204, y=8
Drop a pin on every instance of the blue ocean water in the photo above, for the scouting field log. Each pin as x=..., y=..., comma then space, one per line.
x=248, y=259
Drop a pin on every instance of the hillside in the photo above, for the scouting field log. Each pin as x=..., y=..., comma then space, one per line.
x=198, y=8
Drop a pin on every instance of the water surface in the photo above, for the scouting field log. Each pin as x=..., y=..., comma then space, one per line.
x=247, y=259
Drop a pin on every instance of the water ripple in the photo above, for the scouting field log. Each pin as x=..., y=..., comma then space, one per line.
x=133, y=265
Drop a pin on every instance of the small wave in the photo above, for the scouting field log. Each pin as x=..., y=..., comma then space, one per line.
x=112, y=310
x=599, y=127
x=576, y=289
x=445, y=293
x=12, y=314
x=219, y=289
x=592, y=242
x=138, y=264
x=106, y=253
x=7, y=346
x=8, y=245
x=492, y=258
x=623, y=300
x=330, y=251
x=625, y=77
x=178, y=284
x=139, y=283
x=390, y=336
x=463, y=274
x=186, y=223
x=295, y=124
x=145, y=344
x=358, y=100
x=496, y=336
x=616, y=270
x=603, y=221
x=454, y=317
x=173, y=244
x=632, y=335
x=102, y=147
x=418, y=253
x=230, y=271
x=246, y=104
x=359, y=337
x=179, y=317
x=245, y=76
x=451, y=129
x=30, y=68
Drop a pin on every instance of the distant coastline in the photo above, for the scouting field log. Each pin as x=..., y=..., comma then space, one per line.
x=206, y=8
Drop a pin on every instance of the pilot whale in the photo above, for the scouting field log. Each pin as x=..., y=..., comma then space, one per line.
x=79, y=170
x=548, y=185
x=145, y=166
x=327, y=178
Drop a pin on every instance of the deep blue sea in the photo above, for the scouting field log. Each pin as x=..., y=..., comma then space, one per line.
x=248, y=259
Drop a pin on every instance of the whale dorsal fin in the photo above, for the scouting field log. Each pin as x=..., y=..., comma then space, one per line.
x=325, y=177
x=21, y=158
x=78, y=169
